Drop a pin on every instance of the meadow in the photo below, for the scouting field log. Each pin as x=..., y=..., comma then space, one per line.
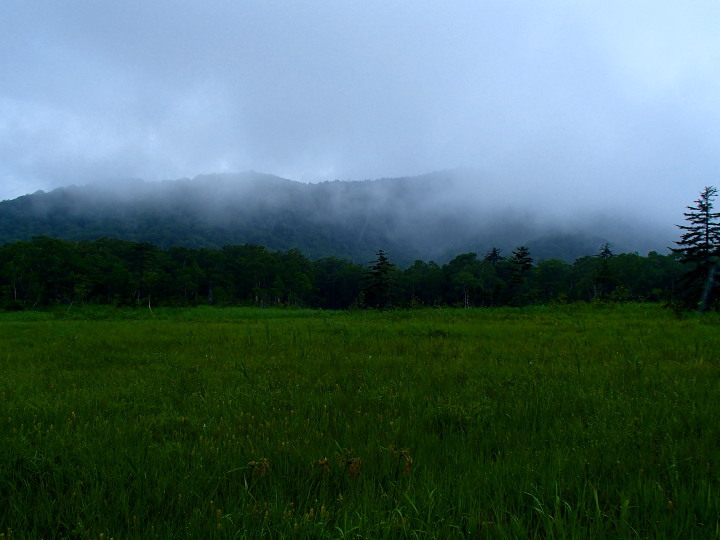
x=571, y=421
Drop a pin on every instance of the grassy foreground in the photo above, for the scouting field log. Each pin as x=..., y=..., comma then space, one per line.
x=563, y=422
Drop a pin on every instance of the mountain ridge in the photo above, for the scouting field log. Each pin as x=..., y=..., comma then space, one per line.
x=432, y=216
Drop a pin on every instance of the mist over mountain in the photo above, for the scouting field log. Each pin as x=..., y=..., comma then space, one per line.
x=431, y=217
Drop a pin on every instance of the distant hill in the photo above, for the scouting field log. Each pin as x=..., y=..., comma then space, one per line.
x=430, y=217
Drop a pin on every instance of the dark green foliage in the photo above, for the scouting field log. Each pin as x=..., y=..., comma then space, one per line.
x=422, y=284
x=378, y=289
x=699, y=252
x=493, y=256
x=553, y=281
x=522, y=260
x=46, y=272
x=519, y=287
x=605, y=251
x=338, y=283
x=13, y=305
x=471, y=282
x=604, y=280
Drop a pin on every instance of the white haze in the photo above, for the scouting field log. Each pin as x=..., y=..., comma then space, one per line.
x=572, y=106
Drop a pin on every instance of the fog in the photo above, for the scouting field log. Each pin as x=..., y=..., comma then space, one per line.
x=588, y=111
x=430, y=217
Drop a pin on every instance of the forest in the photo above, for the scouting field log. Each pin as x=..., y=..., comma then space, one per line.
x=432, y=217
x=47, y=271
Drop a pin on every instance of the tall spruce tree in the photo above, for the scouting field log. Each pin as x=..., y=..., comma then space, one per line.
x=699, y=251
x=379, y=282
x=605, y=252
x=522, y=265
x=493, y=256
x=604, y=281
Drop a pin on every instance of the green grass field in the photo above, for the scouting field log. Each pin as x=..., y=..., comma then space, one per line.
x=557, y=422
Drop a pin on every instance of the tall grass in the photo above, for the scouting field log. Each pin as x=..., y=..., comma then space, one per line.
x=563, y=422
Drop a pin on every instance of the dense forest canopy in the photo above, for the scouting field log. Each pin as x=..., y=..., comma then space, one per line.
x=46, y=271
x=428, y=217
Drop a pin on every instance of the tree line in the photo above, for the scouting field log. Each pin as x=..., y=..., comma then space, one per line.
x=47, y=271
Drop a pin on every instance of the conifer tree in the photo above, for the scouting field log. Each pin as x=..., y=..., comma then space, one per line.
x=604, y=281
x=522, y=264
x=493, y=256
x=378, y=282
x=605, y=251
x=699, y=251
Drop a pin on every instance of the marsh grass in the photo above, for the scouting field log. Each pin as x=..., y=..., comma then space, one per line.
x=562, y=422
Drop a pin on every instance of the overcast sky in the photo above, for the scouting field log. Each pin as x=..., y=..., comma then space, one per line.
x=609, y=100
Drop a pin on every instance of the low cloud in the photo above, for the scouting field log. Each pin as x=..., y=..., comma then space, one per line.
x=560, y=105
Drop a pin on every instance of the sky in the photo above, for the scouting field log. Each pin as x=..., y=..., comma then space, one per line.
x=561, y=102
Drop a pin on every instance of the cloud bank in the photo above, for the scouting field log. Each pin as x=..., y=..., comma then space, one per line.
x=560, y=103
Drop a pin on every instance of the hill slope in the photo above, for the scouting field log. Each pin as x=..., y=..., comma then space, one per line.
x=435, y=216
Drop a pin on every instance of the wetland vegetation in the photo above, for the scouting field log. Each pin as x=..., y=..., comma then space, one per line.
x=581, y=420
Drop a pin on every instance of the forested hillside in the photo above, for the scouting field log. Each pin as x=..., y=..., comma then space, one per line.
x=433, y=217
x=48, y=271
